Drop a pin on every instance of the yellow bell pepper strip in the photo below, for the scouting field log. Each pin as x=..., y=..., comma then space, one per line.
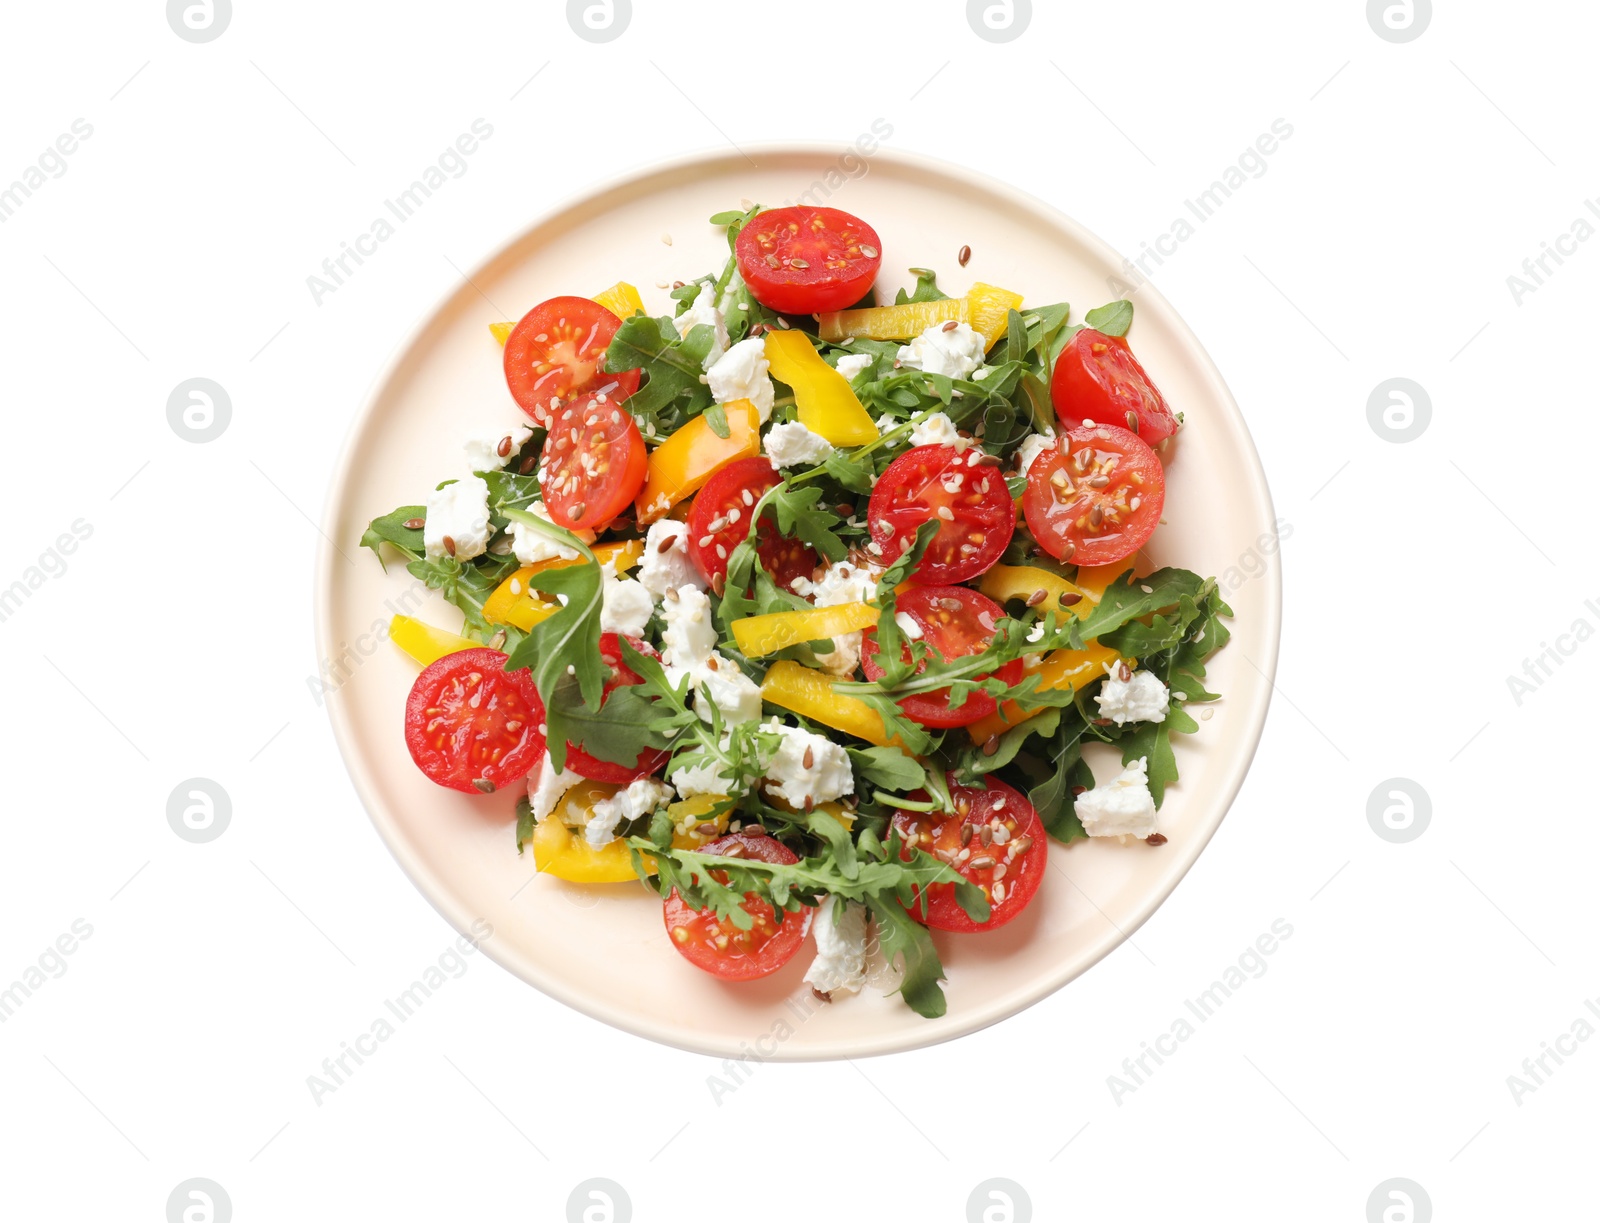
x=685, y=461
x=565, y=852
x=425, y=643
x=1060, y=669
x=622, y=299
x=823, y=399
x=891, y=322
x=757, y=636
x=810, y=694
x=1004, y=582
x=516, y=603
x=988, y=308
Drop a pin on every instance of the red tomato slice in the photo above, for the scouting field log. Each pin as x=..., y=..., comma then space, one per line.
x=720, y=518
x=1096, y=496
x=962, y=489
x=724, y=950
x=472, y=725
x=955, y=621
x=595, y=462
x=804, y=260
x=557, y=351
x=592, y=767
x=1098, y=378
x=1009, y=866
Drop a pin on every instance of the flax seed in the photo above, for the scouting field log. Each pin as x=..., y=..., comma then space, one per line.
x=414, y=524
x=450, y=545
x=1155, y=838
x=964, y=255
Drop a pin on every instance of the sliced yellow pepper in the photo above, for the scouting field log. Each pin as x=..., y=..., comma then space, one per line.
x=823, y=399
x=1023, y=581
x=622, y=299
x=891, y=322
x=760, y=635
x=1060, y=669
x=565, y=852
x=424, y=642
x=516, y=603
x=988, y=308
x=810, y=694
x=685, y=461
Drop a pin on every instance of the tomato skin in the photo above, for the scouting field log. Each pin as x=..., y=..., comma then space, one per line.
x=473, y=726
x=743, y=956
x=1076, y=522
x=1098, y=378
x=595, y=462
x=592, y=767
x=804, y=260
x=916, y=486
x=996, y=807
x=955, y=621
x=569, y=358
x=724, y=496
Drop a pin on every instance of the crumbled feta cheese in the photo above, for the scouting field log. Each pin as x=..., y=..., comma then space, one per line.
x=1121, y=807
x=937, y=430
x=841, y=583
x=954, y=353
x=701, y=779
x=841, y=962
x=704, y=310
x=792, y=779
x=689, y=649
x=791, y=444
x=741, y=373
x=856, y=363
x=625, y=606
x=460, y=511
x=908, y=626
x=661, y=571
x=886, y=422
x=608, y=814
x=546, y=787
x=729, y=689
x=1034, y=445
x=483, y=448
x=532, y=546
x=1141, y=698
x=1036, y=633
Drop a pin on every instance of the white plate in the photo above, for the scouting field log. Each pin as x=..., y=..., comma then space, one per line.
x=603, y=950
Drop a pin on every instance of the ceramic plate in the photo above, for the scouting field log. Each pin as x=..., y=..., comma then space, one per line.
x=603, y=950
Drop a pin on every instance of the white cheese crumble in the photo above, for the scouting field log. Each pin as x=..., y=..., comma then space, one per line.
x=937, y=430
x=704, y=310
x=954, y=353
x=1034, y=445
x=1141, y=698
x=701, y=779
x=856, y=363
x=460, y=511
x=546, y=787
x=608, y=814
x=886, y=422
x=661, y=571
x=791, y=444
x=483, y=449
x=532, y=546
x=741, y=373
x=1121, y=807
x=840, y=583
x=908, y=626
x=625, y=605
x=792, y=779
x=841, y=963
x=689, y=642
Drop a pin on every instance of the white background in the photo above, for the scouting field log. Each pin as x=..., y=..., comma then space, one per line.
x=1419, y=576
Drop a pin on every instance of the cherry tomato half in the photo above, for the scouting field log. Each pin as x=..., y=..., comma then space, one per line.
x=724, y=950
x=592, y=767
x=595, y=462
x=962, y=489
x=1095, y=496
x=955, y=621
x=1004, y=845
x=804, y=260
x=1098, y=378
x=557, y=351
x=472, y=725
x=720, y=518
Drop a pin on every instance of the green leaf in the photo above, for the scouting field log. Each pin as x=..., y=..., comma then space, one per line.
x=797, y=515
x=619, y=731
x=926, y=291
x=525, y=823
x=468, y=585
x=391, y=529
x=1114, y=318
x=717, y=417
x=672, y=390
x=899, y=935
x=888, y=767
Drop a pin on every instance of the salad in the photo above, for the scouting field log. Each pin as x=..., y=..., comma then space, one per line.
x=800, y=609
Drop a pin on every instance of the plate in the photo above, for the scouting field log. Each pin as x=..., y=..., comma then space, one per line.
x=603, y=950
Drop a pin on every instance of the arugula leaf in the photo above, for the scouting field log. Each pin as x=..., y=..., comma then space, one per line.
x=926, y=291
x=525, y=823
x=888, y=767
x=467, y=585
x=392, y=529
x=797, y=516
x=1114, y=318
x=901, y=935
x=619, y=731
x=672, y=390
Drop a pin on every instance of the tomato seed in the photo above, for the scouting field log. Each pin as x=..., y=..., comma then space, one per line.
x=871, y=252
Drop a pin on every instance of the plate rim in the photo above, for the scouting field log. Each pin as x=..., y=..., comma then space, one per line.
x=639, y=1023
